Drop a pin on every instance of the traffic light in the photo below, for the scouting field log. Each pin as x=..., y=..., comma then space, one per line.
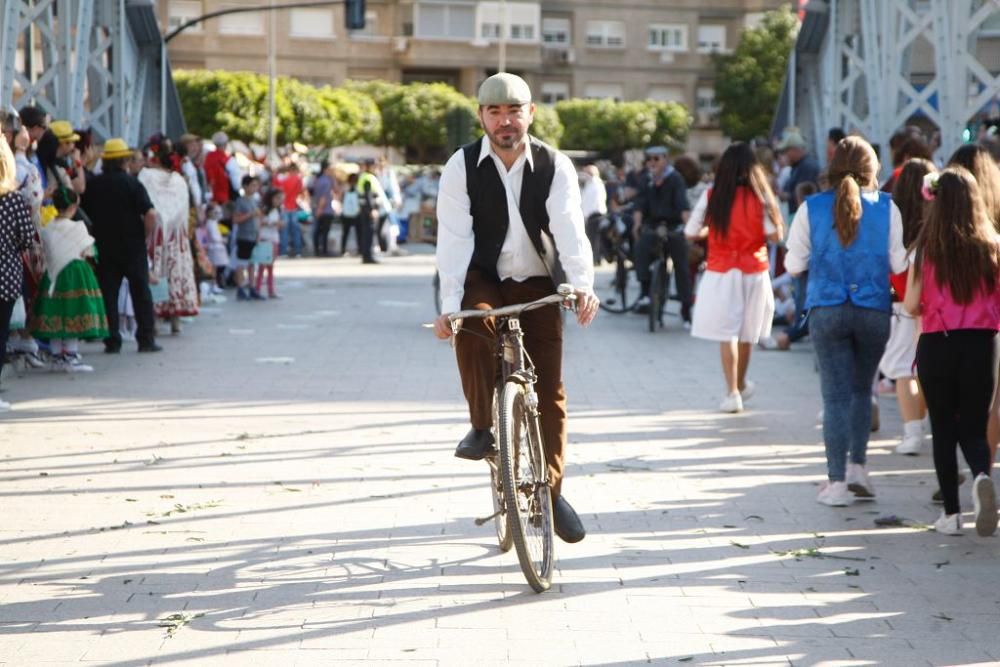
x=354, y=12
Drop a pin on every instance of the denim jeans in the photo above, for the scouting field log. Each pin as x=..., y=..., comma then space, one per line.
x=849, y=342
x=291, y=235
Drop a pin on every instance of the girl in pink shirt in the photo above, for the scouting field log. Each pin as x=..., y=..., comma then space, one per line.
x=953, y=286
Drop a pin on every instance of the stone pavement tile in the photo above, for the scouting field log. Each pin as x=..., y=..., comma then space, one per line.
x=132, y=645
x=54, y=651
x=325, y=657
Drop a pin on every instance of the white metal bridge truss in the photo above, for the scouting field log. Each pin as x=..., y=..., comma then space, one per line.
x=852, y=68
x=102, y=65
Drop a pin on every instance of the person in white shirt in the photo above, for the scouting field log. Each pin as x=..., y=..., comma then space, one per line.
x=595, y=206
x=506, y=204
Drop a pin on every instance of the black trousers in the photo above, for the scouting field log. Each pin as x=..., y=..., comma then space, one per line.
x=321, y=233
x=366, y=234
x=676, y=249
x=6, y=310
x=958, y=374
x=347, y=224
x=110, y=271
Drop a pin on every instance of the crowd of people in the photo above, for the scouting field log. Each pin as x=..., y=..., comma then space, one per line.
x=895, y=284
x=114, y=243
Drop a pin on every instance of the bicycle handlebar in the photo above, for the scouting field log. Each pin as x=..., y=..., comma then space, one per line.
x=566, y=294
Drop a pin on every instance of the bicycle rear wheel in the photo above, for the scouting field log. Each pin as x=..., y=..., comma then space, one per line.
x=526, y=492
x=617, y=289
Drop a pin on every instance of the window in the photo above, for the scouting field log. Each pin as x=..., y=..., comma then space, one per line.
x=711, y=38
x=180, y=12
x=523, y=33
x=445, y=21
x=371, y=26
x=521, y=18
x=607, y=34
x=604, y=91
x=667, y=94
x=668, y=37
x=708, y=110
x=249, y=23
x=555, y=32
x=312, y=23
x=554, y=91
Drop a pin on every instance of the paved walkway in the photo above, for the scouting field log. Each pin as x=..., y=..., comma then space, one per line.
x=278, y=488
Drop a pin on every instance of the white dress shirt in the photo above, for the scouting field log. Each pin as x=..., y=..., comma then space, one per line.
x=519, y=260
x=799, y=244
x=595, y=197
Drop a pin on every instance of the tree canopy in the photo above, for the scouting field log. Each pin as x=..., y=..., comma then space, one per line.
x=748, y=81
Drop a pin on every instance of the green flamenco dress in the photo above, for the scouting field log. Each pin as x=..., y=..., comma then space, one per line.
x=74, y=309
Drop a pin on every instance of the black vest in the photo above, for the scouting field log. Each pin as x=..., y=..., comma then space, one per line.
x=488, y=199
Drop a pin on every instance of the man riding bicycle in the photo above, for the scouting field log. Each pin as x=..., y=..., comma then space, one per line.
x=510, y=223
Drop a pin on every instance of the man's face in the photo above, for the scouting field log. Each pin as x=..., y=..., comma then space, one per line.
x=794, y=154
x=506, y=124
x=36, y=132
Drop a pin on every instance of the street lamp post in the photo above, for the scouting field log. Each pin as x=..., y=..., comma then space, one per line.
x=272, y=38
x=502, y=64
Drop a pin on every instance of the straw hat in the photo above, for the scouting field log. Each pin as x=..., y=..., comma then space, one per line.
x=64, y=131
x=115, y=149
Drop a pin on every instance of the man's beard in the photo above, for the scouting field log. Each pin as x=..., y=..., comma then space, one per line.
x=513, y=139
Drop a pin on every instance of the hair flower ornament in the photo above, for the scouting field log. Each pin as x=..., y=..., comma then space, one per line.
x=929, y=189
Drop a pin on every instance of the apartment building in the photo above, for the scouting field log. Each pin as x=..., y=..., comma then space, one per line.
x=618, y=49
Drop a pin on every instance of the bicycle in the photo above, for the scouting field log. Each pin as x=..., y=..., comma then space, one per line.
x=620, y=293
x=519, y=478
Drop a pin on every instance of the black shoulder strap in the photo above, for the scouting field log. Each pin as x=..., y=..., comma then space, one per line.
x=471, y=153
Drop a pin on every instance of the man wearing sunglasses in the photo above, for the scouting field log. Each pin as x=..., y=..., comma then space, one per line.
x=662, y=199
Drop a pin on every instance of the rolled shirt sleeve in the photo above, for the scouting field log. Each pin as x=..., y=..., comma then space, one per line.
x=565, y=211
x=799, y=244
x=455, y=240
x=696, y=221
x=898, y=261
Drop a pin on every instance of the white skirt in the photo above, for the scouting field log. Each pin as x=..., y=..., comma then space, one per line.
x=901, y=350
x=733, y=306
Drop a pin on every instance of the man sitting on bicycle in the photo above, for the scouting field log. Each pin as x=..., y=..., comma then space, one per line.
x=662, y=200
x=509, y=220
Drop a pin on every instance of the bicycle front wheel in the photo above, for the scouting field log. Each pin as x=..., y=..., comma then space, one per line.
x=657, y=294
x=526, y=492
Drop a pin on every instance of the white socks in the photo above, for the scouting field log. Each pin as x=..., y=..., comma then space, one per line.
x=913, y=428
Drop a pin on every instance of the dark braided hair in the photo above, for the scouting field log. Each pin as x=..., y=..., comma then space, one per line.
x=63, y=198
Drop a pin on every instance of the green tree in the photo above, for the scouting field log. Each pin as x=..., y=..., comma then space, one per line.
x=748, y=81
x=415, y=116
x=613, y=127
x=547, y=127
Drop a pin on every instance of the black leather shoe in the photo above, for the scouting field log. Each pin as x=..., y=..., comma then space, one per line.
x=111, y=348
x=568, y=526
x=476, y=444
x=150, y=347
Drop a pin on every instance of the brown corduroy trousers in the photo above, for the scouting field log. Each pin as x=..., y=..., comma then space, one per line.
x=543, y=330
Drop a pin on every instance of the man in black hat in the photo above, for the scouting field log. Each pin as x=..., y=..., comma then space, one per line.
x=123, y=217
x=506, y=204
x=662, y=200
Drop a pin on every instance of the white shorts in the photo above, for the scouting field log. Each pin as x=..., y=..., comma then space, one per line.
x=733, y=306
x=901, y=350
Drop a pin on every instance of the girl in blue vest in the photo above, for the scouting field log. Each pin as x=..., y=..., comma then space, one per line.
x=850, y=239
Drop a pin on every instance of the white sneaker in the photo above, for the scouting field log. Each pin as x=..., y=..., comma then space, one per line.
x=949, y=524
x=70, y=364
x=28, y=346
x=732, y=403
x=643, y=302
x=768, y=343
x=748, y=389
x=32, y=359
x=910, y=445
x=984, y=500
x=859, y=483
x=835, y=494
x=5, y=406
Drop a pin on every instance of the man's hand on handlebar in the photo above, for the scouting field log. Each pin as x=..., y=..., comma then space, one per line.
x=442, y=327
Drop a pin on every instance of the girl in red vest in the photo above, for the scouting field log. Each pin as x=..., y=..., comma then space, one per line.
x=735, y=301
